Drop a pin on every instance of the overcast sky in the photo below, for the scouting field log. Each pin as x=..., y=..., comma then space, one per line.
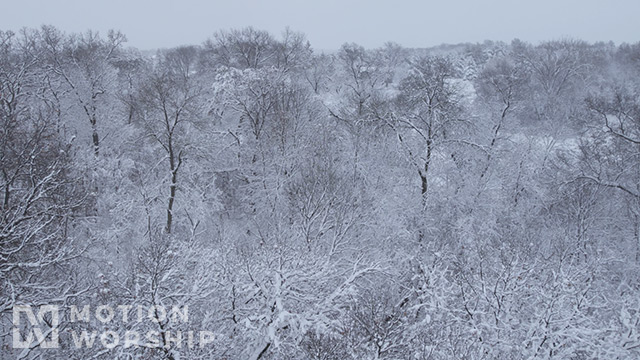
x=151, y=24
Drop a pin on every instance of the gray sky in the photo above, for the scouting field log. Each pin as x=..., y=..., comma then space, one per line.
x=329, y=23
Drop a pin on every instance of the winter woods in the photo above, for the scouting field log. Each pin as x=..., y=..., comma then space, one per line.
x=472, y=201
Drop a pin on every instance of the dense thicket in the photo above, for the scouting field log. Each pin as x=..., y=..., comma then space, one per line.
x=463, y=202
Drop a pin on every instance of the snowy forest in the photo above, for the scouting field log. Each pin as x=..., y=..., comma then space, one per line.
x=470, y=201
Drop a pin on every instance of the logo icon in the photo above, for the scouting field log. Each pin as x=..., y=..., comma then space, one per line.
x=41, y=329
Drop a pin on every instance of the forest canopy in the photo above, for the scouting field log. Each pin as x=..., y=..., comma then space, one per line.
x=466, y=201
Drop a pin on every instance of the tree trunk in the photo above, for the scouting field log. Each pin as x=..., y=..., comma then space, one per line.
x=96, y=142
x=174, y=184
